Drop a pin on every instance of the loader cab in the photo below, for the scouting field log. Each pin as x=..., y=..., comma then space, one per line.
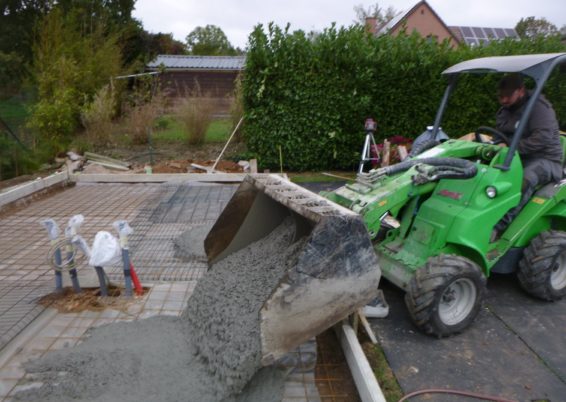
x=563, y=143
x=539, y=67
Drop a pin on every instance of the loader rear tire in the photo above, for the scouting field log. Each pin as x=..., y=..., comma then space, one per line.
x=445, y=296
x=542, y=271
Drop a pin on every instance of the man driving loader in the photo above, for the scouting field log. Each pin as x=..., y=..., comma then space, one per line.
x=540, y=149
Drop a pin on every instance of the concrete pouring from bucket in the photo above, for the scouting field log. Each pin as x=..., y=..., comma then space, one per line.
x=159, y=214
x=57, y=331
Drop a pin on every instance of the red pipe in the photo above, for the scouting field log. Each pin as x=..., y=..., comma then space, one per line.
x=137, y=284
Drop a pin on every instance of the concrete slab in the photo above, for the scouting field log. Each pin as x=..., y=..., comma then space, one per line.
x=25, y=274
x=158, y=213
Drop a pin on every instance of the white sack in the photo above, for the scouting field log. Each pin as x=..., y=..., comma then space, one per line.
x=105, y=250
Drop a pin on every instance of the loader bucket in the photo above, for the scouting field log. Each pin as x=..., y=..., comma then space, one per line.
x=336, y=271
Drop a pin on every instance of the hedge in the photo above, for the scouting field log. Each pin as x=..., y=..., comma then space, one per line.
x=306, y=96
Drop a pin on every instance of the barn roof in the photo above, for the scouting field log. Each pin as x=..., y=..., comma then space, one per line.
x=183, y=62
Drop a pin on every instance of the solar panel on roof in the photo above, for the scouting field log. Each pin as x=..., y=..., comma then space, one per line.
x=466, y=31
x=478, y=32
x=500, y=33
x=510, y=33
x=489, y=32
x=478, y=35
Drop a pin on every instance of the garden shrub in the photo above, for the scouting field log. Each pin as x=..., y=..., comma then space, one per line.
x=309, y=94
x=196, y=112
x=140, y=119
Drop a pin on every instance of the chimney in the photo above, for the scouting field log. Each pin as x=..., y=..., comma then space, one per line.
x=371, y=24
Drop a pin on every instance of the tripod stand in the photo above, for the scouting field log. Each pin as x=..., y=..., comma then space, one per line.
x=369, y=143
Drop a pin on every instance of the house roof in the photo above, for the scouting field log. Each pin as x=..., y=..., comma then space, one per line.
x=392, y=22
x=476, y=35
x=400, y=18
x=182, y=62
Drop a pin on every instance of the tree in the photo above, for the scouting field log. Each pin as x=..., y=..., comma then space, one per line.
x=375, y=11
x=210, y=41
x=69, y=66
x=164, y=43
x=532, y=27
x=17, y=21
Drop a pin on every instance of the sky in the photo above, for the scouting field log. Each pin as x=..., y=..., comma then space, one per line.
x=237, y=18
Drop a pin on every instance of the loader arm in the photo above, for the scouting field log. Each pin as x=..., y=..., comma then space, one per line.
x=391, y=196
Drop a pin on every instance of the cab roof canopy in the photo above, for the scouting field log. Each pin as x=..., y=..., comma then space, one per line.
x=533, y=65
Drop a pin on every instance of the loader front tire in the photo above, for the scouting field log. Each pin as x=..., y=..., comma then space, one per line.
x=445, y=296
x=542, y=271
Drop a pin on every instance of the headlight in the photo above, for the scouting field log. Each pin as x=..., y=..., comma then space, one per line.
x=491, y=192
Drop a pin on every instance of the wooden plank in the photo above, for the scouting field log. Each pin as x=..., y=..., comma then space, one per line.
x=386, y=153
x=402, y=150
x=201, y=167
x=365, y=380
x=157, y=177
x=253, y=165
x=109, y=165
x=91, y=156
x=367, y=327
x=31, y=187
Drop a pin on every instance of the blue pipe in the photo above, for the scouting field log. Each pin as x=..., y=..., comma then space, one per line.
x=102, y=281
x=73, y=270
x=127, y=272
x=58, y=273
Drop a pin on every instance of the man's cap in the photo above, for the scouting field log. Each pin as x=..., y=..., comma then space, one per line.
x=510, y=83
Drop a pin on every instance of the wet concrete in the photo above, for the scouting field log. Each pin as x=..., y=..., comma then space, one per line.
x=147, y=360
x=211, y=353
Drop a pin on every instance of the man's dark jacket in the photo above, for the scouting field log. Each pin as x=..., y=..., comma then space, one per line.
x=541, y=139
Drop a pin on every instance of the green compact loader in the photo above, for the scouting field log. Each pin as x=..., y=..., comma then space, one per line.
x=430, y=217
x=423, y=224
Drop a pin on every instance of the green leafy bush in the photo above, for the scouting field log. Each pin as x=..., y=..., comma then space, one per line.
x=70, y=65
x=309, y=94
x=57, y=117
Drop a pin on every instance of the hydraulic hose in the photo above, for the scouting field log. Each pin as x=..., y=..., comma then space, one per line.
x=424, y=146
x=466, y=166
x=453, y=168
x=446, y=167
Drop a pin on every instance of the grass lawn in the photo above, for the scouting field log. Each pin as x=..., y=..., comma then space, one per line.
x=173, y=131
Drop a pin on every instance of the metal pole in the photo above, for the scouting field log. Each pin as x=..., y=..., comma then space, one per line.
x=443, y=103
x=124, y=230
x=226, y=146
x=150, y=145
